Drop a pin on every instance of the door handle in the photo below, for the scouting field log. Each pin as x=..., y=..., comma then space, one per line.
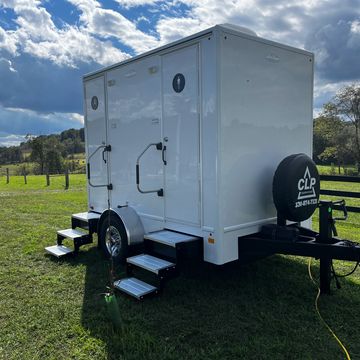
x=106, y=148
x=163, y=155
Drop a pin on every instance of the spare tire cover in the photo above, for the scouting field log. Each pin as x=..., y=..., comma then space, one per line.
x=296, y=187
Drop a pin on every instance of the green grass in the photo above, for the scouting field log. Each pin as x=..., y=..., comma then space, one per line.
x=54, y=309
x=334, y=170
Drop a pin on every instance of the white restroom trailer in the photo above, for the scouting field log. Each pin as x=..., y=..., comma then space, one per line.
x=188, y=136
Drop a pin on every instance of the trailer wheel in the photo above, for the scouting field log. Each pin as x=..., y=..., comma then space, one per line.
x=113, y=238
x=296, y=187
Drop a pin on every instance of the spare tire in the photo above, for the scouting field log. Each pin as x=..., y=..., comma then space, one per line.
x=296, y=187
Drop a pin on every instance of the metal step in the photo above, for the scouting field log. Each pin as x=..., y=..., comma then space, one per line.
x=135, y=287
x=71, y=233
x=86, y=216
x=58, y=250
x=150, y=263
x=169, y=238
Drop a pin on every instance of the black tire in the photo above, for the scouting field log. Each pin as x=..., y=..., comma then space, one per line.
x=296, y=191
x=116, y=245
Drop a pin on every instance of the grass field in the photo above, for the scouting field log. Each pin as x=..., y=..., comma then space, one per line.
x=54, y=309
x=350, y=170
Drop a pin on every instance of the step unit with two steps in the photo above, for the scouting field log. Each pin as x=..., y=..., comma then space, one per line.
x=80, y=223
x=162, y=255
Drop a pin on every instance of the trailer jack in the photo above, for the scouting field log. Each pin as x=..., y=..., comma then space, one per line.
x=296, y=240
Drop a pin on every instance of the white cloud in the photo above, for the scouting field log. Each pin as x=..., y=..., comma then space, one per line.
x=7, y=41
x=142, y=19
x=38, y=36
x=32, y=19
x=77, y=117
x=7, y=64
x=73, y=46
x=355, y=27
x=354, y=36
x=207, y=13
x=171, y=29
x=86, y=7
x=11, y=139
x=132, y=3
x=111, y=23
x=20, y=4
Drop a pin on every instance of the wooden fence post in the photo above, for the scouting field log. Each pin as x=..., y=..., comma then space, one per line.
x=25, y=180
x=7, y=176
x=47, y=179
x=66, y=179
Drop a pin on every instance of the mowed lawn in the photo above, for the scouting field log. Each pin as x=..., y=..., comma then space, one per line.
x=54, y=309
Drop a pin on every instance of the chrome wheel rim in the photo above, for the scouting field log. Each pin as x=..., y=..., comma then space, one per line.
x=113, y=240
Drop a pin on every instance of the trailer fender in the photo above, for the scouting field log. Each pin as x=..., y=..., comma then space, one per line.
x=131, y=221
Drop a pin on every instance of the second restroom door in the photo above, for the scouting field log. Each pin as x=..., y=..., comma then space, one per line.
x=180, y=83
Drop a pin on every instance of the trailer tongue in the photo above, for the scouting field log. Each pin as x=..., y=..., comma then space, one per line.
x=296, y=191
x=296, y=240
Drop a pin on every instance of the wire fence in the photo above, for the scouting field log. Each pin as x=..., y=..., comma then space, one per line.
x=8, y=175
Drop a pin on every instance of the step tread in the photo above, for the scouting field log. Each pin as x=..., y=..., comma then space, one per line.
x=150, y=263
x=86, y=216
x=170, y=238
x=58, y=250
x=71, y=233
x=134, y=287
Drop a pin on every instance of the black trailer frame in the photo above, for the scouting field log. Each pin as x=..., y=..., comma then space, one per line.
x=296, y=240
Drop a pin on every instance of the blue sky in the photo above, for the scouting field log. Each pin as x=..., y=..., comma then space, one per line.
x=47, y=45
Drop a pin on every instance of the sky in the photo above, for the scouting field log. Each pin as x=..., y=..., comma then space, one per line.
x=46, y=46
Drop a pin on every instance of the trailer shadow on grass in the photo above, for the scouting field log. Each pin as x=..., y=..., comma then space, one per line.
x=260, y=310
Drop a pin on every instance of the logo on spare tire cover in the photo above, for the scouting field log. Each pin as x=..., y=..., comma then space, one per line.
x=306, y=186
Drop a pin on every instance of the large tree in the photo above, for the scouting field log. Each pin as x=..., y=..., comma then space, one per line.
x=325, y=133
x=46, y=152
x=38, y=153
x=333, y=141
x=346, y=104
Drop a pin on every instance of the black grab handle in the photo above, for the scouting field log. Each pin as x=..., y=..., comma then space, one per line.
x=160, y=192
x=137, y=174
x=88, y=171
x=163, y=155
x=342, y=207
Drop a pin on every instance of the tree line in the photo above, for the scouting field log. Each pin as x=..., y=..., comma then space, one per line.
x=48, y=152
